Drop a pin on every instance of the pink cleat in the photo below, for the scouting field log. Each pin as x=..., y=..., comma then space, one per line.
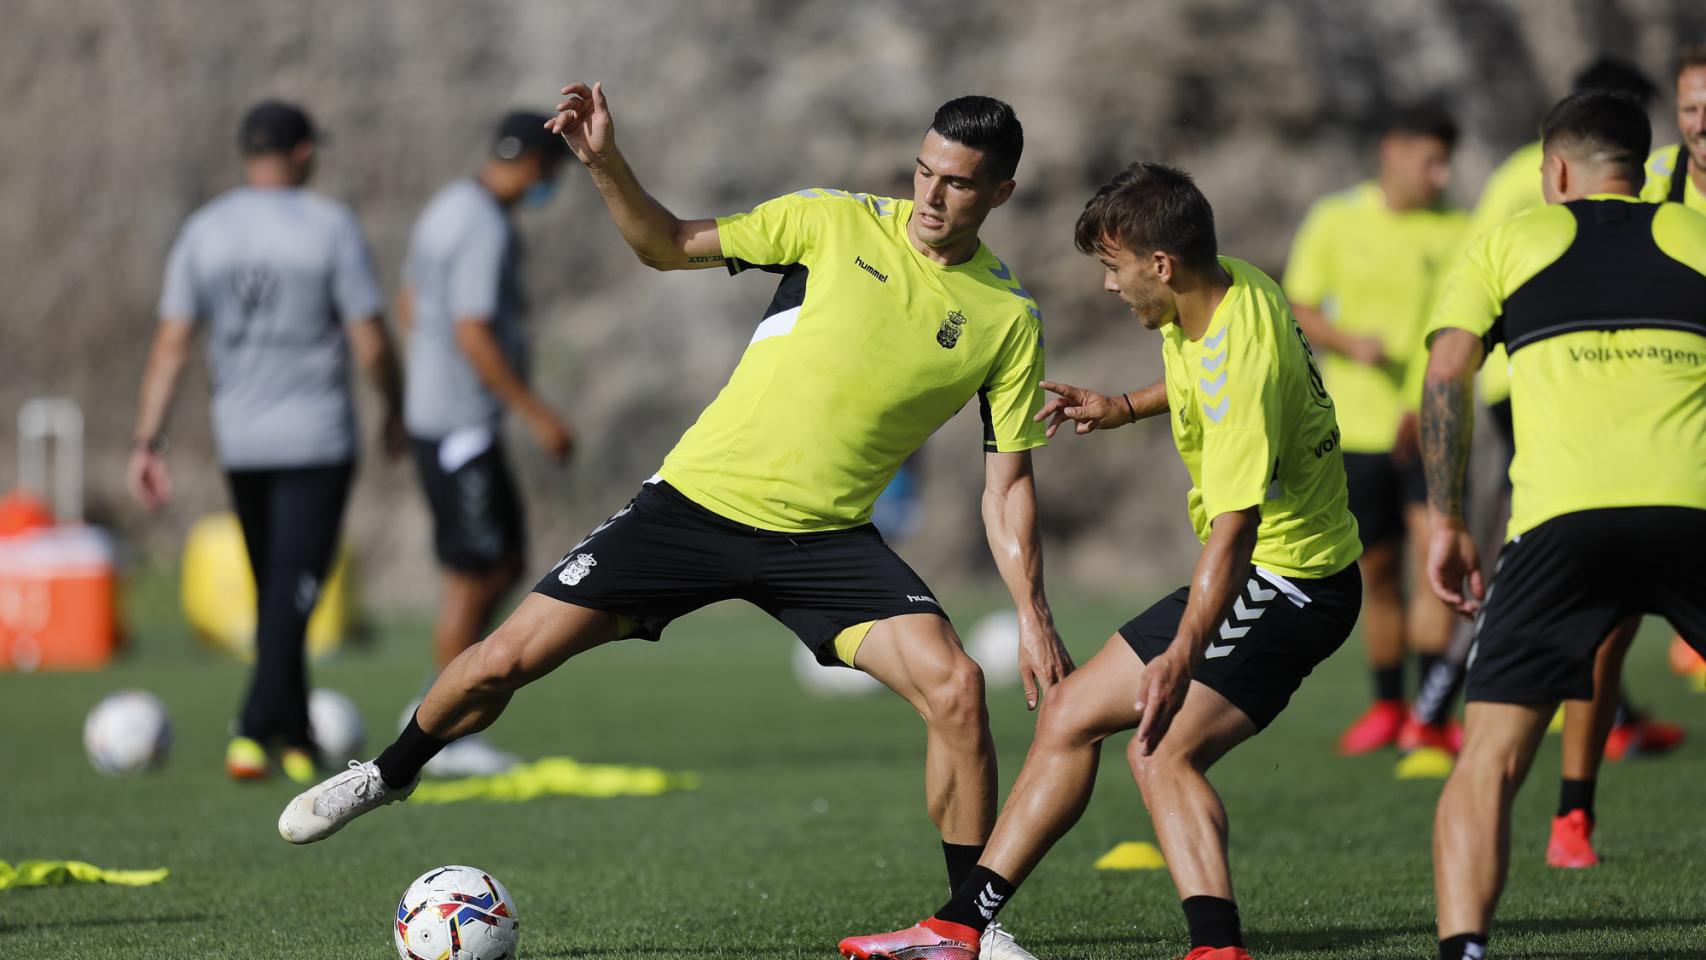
x=931, y=939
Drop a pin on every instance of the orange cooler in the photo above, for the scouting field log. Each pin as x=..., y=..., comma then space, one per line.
x=57, y=600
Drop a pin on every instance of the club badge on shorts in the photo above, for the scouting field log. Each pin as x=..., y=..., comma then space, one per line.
x=576, y=570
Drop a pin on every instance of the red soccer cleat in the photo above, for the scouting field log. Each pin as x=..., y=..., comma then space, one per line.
x=931, y=939
x=1376, y=728
x=1414, y=735
x=1217, y=953
x=1571, y=846
x=1643, y=738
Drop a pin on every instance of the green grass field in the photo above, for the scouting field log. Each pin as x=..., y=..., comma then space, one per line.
x=809, y=824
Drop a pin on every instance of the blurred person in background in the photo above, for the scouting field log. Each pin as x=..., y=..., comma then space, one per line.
x=462, y=311
x=282, y=280
x=1608, y=725
x=1601, y=302
x=1677, y=173
x=1361, y=277
x=891, y=315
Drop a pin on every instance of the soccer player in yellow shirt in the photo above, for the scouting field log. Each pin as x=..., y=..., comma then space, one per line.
x=1361, y=277
x=1275, y=590
x=1600, y=301
x=891, y=315
x=1677, y=173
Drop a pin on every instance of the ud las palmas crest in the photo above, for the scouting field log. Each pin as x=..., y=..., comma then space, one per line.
x=952, y=326
x=576, y=570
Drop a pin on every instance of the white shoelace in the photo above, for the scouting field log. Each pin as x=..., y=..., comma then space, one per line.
x=363, y=784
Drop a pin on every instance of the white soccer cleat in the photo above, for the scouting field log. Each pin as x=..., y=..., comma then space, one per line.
x=326, y=807
x=997, y=944
x=471, y=756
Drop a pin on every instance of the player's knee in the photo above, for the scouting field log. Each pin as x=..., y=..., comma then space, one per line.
x=956, y=703
x=1149, y=769
x=1062, y=723
x=501, y=662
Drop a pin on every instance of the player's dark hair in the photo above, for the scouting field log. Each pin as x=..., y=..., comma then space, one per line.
x=1615, y=75
x=987, y=125
x=1149, y=207
x=1603, y=127
x=1425, y=119
x=1693, y=55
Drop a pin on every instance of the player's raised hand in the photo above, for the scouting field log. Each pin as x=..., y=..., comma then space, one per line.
x=583, y=121
x=1088, y=409
x=1454, y=568
x=1043, y=660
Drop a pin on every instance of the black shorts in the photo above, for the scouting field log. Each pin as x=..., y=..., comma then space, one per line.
x=476, y=511
x=1560, y=587
x=1279, y=629
x=664, y=556
x=1379, y=489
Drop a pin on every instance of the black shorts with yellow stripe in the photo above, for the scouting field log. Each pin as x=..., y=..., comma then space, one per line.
x=1561, y=586
x=663, y=556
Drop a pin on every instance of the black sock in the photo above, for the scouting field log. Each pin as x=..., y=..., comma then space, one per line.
x=976, y=901
x=1389, y=682
x=961, y=857
x=1463, y=946
x=1576, y=795
x=401, y=762
x=1213, y=922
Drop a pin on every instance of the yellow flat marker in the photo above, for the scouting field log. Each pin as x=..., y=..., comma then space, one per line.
x=1557, y=724
x=1132, y=855
x=55, y=873
x=557, y=777
x=1425, y=763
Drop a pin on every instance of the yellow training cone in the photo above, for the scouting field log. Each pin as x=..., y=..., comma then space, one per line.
x=1132, y=855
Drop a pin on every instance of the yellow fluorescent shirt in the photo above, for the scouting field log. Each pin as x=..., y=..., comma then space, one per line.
x=867, y=348
x=1602, y=305
x=1255, y=427
x=1512, y=189
x=1373, y=271
x=1660, y=166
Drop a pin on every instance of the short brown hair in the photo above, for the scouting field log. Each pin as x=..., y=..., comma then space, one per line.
x=1693, y=55
x=1149, y=207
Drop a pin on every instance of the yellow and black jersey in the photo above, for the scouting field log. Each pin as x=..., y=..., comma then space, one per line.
x=866, y=349
x=1601, y=304
x=1668, y=179
x=1256, y=428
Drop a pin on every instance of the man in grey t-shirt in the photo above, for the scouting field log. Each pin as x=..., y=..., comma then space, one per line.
x=281, y=281
x=462, y=310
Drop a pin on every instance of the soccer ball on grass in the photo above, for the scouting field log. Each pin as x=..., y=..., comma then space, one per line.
x=455, y=913
x=127, y=733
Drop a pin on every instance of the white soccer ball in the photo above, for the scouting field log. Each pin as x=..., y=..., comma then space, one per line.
x=127, y=733
x=336, y=725
x=831, y=681
x=455, y=913
x=994, y=644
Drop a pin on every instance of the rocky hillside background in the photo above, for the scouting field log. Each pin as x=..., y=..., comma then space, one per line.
x=119, y=120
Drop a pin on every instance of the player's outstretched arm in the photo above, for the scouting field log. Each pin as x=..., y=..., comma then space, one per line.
x=1010, y=521
x=1092, y=411
x=1220, y=574
x=1448, y=428
x=659, y=238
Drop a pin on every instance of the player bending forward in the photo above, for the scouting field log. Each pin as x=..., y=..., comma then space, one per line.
x=890, y=317
x=1214, y=663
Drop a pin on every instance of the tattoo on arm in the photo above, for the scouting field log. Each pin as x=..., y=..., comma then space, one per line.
x=716, y=259
x=1448, y=426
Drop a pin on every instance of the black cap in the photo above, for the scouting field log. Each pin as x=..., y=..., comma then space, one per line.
x=522, y=131
x=272, y=126
x=1614, y=75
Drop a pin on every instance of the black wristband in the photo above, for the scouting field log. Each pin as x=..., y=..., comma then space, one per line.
x=1128, y=407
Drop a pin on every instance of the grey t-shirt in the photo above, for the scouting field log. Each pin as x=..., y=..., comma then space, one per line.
x=274, y=273
x=463, y=264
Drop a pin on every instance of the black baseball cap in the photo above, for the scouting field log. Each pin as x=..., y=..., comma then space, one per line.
x=273, y=126
x=523, y=131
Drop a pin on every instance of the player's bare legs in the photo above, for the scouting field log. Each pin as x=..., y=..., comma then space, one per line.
x=1472, y=822
x=1189, y=819
x=1588, y=722
x=1382, y=566
x=1428, y=621
x=466, y=606
x=540, y=636
x=468, y=695
x=919, y=657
